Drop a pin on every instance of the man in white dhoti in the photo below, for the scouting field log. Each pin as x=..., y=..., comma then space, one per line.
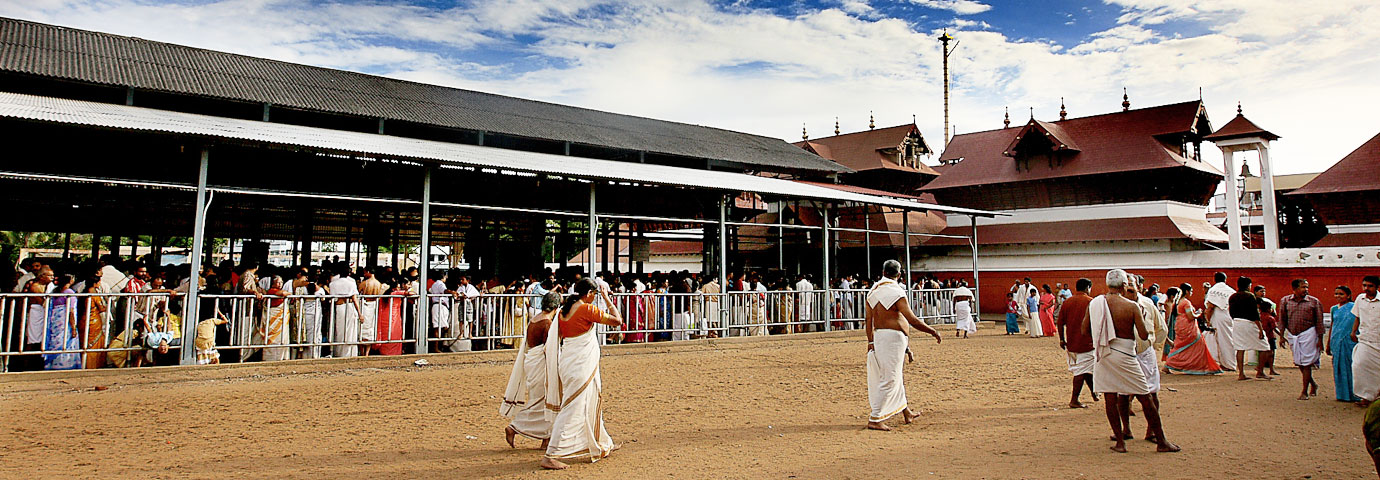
x=573, y=383
x=370, y=288
x=963, y=312
x=524, y=400
x=887, y=341
x=1246, y=334
x=1365, y=359
x=1115, y=325
x=1146, y=354
x=1216, y=305
x=1076, y=339
x=1301, y=316
x=345, y=320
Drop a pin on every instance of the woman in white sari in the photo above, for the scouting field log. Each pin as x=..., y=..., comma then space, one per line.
x=524, y=400
x=573, y=384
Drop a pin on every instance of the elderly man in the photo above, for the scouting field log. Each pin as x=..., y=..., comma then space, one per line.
x=1116, y=326
x=887, y=342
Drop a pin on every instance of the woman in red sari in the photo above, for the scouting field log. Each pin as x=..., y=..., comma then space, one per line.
x=390, y=318
x=1047, y=312
x=1189, y=354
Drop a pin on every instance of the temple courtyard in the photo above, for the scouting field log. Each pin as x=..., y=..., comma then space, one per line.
x=991, y=406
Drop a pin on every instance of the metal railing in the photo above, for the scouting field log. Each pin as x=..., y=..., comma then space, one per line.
x=85, y=330
x=59, y=331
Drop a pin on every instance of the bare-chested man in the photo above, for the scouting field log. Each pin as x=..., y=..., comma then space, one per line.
x=1115, y=324
x=887, y=341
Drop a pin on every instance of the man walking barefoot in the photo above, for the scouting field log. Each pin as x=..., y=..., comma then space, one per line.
x=887, y=342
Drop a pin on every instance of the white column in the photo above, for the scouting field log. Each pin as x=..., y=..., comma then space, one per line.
x=1233, y=201
x=1267, y=195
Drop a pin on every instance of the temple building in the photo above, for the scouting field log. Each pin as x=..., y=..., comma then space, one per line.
x=1130, y=189
x=1130, y=181
x=1347, y=198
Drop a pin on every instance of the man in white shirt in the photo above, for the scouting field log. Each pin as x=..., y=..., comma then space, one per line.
x=346, y=319
x=1365, y=359
x=1215, y=305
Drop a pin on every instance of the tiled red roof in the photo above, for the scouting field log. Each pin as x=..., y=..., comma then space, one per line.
x=1114, y=142
x=1349, y=240
x=1137, y=228
x=1056, y=134
x=1358, y=171
x=1240, y=127
x=859, y=150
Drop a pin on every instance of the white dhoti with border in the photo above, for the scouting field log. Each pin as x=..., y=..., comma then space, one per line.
x=1081, y=363
x=886, y=389
x=1119, y=370
x=1305, y=347
x=1246, y=335
x=1150, y=366
x=524, y=399
x=345, y=329
x=1365, y=371
x=577, y=431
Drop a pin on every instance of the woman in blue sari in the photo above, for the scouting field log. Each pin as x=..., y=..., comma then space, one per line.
x=62, y=326
x=1340, y=345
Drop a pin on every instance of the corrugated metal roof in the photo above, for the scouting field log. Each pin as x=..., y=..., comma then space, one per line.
x=53, y=51
x=77, y=112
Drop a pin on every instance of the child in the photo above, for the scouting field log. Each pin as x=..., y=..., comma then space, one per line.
x=205, y=342
x=1013, y=312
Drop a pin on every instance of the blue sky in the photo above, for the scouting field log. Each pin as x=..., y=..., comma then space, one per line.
x=772, y=67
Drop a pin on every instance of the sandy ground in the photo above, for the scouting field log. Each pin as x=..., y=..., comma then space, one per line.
x=992, y=407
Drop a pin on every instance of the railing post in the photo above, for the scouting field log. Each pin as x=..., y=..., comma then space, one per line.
x=973, y=239
x=192, y=313
x=724, y=311
x=423, y=319
x=824, y=281
x=905, y=232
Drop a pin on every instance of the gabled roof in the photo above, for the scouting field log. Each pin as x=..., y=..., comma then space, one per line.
x=1054, y=133
x=1356, y=172
x=100, y=58
x=1240, y=127
x=1126, y=141
x=862, y=151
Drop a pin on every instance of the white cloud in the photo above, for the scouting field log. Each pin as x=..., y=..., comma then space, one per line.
x=750, y=70
x=961, y=7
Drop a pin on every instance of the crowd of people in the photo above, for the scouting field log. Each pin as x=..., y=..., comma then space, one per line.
x=128, y=313
x=1119, y=343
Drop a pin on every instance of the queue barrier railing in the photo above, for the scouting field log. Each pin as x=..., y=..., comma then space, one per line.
x=307, y=326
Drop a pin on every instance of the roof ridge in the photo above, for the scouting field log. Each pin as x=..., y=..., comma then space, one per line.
x=1118, y=112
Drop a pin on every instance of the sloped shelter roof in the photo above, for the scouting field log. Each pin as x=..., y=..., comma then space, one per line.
x=1240, y=127
x=51, y=51
x=127, y=118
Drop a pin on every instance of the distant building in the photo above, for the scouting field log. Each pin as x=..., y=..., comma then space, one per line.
x=1347, y=198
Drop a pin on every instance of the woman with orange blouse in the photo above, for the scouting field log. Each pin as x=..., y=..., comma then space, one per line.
x=572, y=381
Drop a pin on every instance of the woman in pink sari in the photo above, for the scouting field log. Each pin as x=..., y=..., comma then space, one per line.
x=1189, y=355
x=1047, y=312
